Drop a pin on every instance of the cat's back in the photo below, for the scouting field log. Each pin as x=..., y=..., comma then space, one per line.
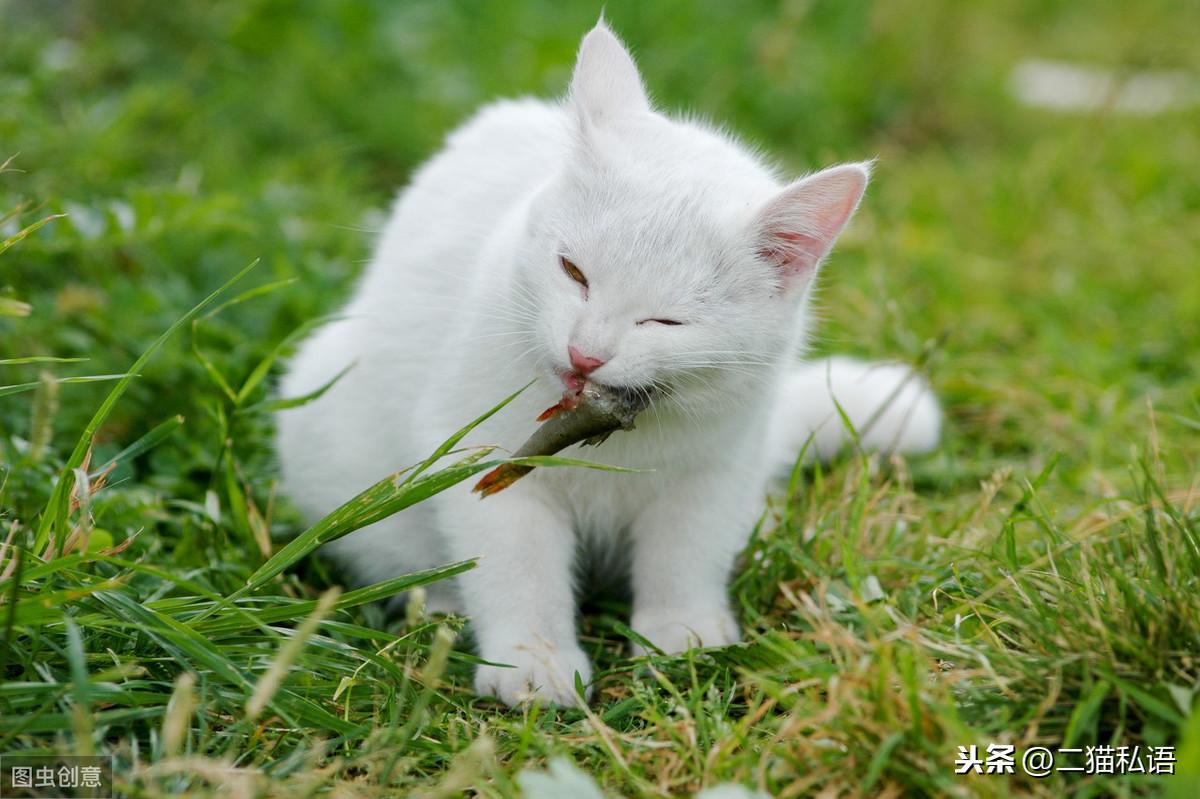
x=506, y=141
x=434, y=270
x=421, y=277
x=458, y=197
x=399, y=326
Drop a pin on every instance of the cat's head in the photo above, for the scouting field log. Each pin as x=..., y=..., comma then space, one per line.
x=664, y=255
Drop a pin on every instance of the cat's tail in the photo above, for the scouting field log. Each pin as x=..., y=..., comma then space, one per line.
x=889, y=406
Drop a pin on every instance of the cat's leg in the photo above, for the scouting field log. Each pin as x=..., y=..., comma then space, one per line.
x=520, y=596
x=685, y=544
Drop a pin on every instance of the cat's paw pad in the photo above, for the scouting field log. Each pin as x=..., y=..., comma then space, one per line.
x=675, y=632
x=540, y=672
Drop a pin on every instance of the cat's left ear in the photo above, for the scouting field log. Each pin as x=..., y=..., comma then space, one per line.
x=797, y=229
x=606, y=83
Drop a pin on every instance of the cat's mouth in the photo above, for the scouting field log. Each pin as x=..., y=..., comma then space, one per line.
x=574, y=384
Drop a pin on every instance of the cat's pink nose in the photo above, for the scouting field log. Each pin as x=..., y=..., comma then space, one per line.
x=584, y=364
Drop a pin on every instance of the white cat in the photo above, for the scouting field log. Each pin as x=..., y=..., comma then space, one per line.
x=590, y=239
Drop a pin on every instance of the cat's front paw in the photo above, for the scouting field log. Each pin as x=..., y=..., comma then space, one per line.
x=675, y=632
x=540, y=672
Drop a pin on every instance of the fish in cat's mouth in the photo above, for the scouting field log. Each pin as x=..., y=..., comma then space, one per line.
x=575, y=385
x=586, y=415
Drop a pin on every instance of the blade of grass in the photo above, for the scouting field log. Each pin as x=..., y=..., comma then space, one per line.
x=385, y=498
x=56, y=508
x=263, y=368
x=381, y=500
x=270, y=681
x=453, y=440
x=389, y=495
x=11, y=307
x=38, y=359
x=10, y=617
x=249, y=294
x=372, y=593
x=144, y=444
x=210, y=368
x=21, y=388
x=292, y=402
x=26, y=231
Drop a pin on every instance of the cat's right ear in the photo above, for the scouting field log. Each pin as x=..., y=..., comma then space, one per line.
x=798, y=228
x=606, y=83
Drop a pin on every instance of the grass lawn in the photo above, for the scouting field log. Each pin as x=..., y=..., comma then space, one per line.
x=1036, y=582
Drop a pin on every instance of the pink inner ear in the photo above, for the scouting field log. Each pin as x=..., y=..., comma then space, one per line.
x=798, y=228
x=792, y=253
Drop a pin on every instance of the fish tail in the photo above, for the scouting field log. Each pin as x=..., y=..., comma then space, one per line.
x=500, y=478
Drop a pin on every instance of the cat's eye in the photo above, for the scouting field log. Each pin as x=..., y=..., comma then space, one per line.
x=572, y=271
x=660, y=322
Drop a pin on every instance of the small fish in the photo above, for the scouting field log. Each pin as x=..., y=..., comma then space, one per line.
x=589, y=415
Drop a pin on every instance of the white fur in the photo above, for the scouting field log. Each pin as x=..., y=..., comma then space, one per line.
x=890, y=408
x=465, y=301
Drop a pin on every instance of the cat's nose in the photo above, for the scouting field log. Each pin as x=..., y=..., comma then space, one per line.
x=584, y=364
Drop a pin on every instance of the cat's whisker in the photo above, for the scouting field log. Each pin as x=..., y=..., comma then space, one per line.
x=520, y=335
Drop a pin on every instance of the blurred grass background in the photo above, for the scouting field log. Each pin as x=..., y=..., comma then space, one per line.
x=1056, y=253
x=187, y=140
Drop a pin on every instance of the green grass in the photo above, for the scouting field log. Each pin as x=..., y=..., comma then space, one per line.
x=1037, y=581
